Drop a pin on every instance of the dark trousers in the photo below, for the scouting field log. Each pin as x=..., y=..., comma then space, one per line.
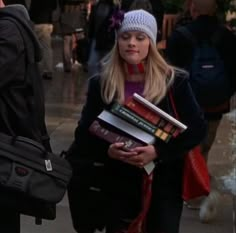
x=9, y=221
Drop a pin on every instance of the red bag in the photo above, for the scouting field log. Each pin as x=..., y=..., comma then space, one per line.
x=196, y=179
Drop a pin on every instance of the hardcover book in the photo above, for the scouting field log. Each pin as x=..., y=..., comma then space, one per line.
x=152, y=117
x=111, y=134
x=161, y=113
x=130, y=116
x=142, y=111
x=126, y=127
x=140, y=122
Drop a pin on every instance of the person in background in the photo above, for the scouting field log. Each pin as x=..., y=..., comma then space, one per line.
x=41, y=15
x=141, y=4
x=179, y=51
x=72, y=17
x=106, y=187
x=101, y=36
x=185, y=16
x=22, y=110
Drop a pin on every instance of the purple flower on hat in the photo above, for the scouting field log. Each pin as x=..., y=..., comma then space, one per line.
x=116, y=19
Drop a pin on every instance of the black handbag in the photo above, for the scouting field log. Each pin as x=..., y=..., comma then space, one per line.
x=32, y=180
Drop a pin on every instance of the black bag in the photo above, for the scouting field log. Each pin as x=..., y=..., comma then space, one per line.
x=32, y=180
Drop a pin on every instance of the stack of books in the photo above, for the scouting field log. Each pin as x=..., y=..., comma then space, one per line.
x=136, y=123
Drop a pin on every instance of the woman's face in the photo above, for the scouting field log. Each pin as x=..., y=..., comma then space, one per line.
x=133, y=46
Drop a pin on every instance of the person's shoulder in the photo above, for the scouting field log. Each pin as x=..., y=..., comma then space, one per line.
x=94, y=82
x=226, y=33
x=8, y=26
x=95, y=79
x=181, y=77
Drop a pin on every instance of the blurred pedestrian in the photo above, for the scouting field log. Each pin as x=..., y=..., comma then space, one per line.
x=41, y=14
x=109, y=183
x=141, y=4
x=21, y=92
x=101, y=36
x=206, y=31
x=185, y=16
x=72, y=17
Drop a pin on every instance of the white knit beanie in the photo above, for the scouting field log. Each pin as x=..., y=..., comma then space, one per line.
x=140, y=20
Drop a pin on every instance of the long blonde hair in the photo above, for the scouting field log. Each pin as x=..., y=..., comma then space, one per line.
x=158, y=76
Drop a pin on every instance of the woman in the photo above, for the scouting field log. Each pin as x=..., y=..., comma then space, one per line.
x=106, y=188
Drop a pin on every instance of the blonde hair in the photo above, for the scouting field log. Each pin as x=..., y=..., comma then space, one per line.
x=158, y=76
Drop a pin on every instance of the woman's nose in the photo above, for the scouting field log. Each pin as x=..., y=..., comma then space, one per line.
x=132, y=42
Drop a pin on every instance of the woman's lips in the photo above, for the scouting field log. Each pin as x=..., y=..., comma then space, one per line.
x=131, y=51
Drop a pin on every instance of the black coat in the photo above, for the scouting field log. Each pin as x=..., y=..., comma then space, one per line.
x=21, y=92
x=94, y=171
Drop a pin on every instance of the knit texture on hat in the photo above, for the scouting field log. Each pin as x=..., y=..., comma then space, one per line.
x=140, y=20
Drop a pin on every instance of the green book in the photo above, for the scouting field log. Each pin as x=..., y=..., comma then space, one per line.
x=133, y=118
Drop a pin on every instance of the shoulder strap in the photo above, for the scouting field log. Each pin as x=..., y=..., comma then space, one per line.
x=170, y=93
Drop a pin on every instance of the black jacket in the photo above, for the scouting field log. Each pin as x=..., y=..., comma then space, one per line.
x=93, y=168
x=21, y=92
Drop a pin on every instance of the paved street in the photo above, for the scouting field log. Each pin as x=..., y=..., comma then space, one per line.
x=65, y=95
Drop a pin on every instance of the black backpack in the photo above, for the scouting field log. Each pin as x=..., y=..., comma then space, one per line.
x=208, y=76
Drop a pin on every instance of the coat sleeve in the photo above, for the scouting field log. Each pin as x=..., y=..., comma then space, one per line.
x=11, y=50
x=191, y=115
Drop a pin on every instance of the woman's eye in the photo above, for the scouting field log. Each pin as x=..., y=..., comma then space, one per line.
x=140, y=38
x=125, y=37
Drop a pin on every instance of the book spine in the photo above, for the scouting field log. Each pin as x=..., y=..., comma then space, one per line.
x=163, y=135
x=142, y=111
x=112, y=136
x=133, y=118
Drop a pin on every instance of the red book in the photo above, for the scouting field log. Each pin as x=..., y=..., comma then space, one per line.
x=162, y=114
x=111, y=134
x=142, y=111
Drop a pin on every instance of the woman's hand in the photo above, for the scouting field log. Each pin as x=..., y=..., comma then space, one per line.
x=145, y=155
x=139, y=156
x=116, y=151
